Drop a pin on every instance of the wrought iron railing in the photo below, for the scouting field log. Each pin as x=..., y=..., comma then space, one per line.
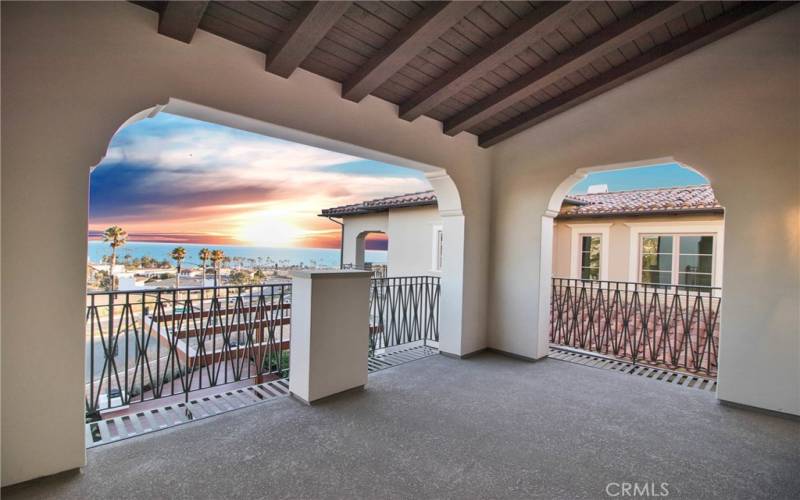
x=143, y=345
x=403, y=310
x=662, y=325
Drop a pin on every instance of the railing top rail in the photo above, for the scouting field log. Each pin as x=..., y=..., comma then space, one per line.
x=419, y=276
x=189, y=289
x=638, y=284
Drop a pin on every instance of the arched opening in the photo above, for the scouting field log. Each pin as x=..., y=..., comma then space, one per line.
x=634, y=255
x=366, y=241
x=126, y=362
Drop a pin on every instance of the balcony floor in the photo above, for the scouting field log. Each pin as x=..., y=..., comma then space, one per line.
x=487, y=427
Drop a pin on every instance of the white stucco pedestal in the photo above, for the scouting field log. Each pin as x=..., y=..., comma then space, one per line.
x=330, y=333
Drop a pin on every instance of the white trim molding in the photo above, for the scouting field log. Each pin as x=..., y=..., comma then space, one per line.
x=712, y=227
x=578, y=230
x=437, y=253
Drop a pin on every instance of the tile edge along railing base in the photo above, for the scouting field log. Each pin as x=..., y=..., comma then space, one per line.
x=137, y=424
x=625, y=367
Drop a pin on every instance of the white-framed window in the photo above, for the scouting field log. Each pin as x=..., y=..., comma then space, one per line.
x=438, y=248
x=693, y=267
x=589, y=258
x=677, y=259
x=589, y=251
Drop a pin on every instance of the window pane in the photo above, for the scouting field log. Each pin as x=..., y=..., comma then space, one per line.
x=697, y=244
x=590, y=273
x=694, y=279
x=657, y=244
x=590, y=244
x=695, y=264
x=590, y=259
x=655, y=277
x=654, y=262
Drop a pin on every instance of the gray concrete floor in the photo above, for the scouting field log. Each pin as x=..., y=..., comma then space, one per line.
x=486, y=427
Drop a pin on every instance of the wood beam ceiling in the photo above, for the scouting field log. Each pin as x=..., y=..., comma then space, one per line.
x=691, y=40
x=179, y=20
x=542, y=21
x=629, y=28
x=305, y=31
x=406, y=37
x=409, y=42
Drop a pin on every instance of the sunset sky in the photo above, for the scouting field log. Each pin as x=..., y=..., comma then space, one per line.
x=174, y=179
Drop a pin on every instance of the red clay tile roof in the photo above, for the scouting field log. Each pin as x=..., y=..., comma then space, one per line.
x=689, y=199
x=423, y=198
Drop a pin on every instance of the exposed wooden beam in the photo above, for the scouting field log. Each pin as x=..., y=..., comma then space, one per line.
x=304, y=32
x=179, y=20
x=542, y=21
x=636, y=24
x=719, y=27
x=416, y=36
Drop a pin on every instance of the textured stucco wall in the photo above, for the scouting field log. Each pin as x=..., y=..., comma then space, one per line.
x=411, y=241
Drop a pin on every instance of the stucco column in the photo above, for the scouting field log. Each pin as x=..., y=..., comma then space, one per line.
x=330, y=333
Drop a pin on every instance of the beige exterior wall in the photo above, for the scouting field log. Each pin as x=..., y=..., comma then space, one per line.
x=411, y=241
x=622, y=232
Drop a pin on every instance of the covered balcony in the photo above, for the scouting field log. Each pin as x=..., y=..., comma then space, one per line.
x=502, y=106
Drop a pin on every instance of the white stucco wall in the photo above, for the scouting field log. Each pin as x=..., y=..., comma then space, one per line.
x=732, y=111
x=75, y=72
x=411, y=241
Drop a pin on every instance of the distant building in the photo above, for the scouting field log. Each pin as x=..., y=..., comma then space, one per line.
x=410, y=221
x=665, y=236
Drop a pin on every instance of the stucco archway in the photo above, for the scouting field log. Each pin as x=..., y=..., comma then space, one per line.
x=449, y=200
x=630, y=231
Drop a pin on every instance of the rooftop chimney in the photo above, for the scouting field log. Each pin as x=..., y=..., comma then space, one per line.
x=597, y=188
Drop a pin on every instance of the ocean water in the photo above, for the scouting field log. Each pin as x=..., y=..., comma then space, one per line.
x=308, y=257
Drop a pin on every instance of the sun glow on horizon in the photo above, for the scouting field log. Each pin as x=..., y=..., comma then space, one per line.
x=268, y=228
x=174, y=179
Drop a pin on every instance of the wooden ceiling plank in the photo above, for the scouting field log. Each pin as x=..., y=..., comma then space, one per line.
x=514, y=40
x=411, y=40
x=179, y=20
x=303, y=34
x=725, y=24
x=602, y=42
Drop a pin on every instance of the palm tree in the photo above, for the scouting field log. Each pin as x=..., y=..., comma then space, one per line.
x=217, y=256
x=115, y=236
x=178, y=253
x=205, y=256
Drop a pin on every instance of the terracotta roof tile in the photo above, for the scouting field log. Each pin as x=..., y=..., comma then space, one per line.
x=690, y=199
x=422, y=198
x=642, y=202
